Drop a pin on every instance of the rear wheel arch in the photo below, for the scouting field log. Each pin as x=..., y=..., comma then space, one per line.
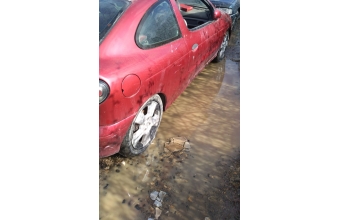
x=163, y=98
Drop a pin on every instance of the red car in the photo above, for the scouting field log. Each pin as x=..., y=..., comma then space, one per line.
x=149, y=52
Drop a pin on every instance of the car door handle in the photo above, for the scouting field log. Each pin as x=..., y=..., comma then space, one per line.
x=194, y=47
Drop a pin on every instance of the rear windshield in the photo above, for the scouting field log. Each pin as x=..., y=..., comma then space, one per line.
x=109, y=12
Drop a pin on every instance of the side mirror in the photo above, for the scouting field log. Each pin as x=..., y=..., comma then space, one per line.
x=217, y=14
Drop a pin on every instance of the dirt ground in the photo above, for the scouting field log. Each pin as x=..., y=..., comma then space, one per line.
x=199, y=184
x=222, y=202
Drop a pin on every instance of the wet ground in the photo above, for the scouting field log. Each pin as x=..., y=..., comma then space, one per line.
x=199, y=170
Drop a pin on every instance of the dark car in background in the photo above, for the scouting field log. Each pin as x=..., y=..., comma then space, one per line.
x=230, y=7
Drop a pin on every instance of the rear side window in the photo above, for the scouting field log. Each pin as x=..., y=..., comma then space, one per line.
x=158, y=26
x=109, y=12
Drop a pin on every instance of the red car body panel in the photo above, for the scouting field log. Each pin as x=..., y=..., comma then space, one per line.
x=134, y=74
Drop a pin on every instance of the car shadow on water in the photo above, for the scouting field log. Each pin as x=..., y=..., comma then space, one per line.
x=201, y=180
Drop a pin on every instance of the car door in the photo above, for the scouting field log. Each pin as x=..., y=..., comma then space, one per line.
x=160, y=36
x=202, y=33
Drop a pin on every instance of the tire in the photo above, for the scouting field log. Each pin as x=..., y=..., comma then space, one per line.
x=143, y=128
x=221, y=52
x=237, y=17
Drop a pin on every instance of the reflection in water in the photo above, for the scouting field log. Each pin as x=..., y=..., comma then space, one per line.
x=208, y=115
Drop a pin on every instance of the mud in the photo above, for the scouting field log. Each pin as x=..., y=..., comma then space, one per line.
x=201, y=177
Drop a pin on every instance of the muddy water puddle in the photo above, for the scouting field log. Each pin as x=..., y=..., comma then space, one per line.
x=195, y=178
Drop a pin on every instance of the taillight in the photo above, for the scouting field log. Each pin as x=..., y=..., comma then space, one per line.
x=104, y=91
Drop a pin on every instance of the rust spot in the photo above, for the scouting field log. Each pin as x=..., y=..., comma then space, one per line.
x=118, y=65
x=151, y=84
x=140, y=100
x=130, y=110
x=116, y=102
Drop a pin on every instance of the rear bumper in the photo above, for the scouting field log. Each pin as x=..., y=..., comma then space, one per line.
x=112, y=136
